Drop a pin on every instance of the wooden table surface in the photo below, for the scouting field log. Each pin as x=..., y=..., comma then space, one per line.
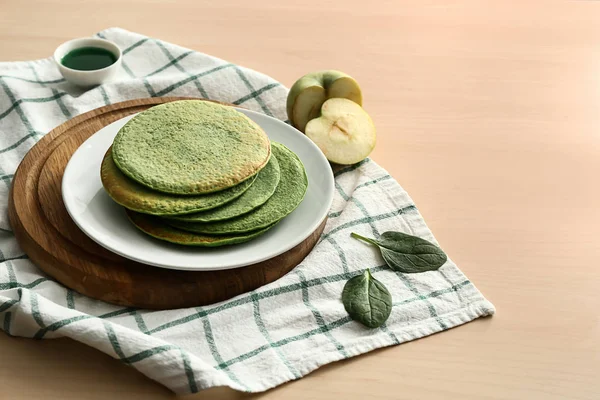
x=488, y=113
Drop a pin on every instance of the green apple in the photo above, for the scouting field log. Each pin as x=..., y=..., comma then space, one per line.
x=344, y=132
x=309, y=93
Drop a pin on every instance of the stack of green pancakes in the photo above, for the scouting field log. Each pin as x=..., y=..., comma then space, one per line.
x=198, y=173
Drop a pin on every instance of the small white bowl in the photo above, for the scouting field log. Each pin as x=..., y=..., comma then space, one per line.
x=93, y=77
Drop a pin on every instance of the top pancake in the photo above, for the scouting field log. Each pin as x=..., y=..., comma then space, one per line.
x=190, y=147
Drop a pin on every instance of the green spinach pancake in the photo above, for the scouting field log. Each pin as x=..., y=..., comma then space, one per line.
x=156, y=228
x=288, y=195
x=190, y=147
x=261, y=190
x=134, y=196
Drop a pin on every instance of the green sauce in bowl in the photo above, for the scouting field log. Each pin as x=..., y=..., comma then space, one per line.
x=88, y=59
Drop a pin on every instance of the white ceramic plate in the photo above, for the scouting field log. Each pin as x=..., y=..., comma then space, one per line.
x=105, y=221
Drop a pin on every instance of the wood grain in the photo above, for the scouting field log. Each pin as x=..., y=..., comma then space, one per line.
x=48, y=235
x=486, y=113
x=50, y=196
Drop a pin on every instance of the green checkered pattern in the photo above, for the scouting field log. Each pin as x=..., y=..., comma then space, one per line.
x=255, y=341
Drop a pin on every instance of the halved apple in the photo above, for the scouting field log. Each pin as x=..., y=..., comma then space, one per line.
x=344, y=132
x=309, y=93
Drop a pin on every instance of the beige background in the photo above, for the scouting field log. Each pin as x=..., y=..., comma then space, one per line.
x=488, y=113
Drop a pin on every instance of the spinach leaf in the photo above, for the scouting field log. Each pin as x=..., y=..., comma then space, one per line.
x=407, y=253
x=367, y=300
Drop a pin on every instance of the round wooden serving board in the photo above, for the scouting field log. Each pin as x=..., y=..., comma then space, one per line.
x=47, y=234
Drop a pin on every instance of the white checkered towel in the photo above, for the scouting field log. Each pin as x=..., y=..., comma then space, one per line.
x=257, y=340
